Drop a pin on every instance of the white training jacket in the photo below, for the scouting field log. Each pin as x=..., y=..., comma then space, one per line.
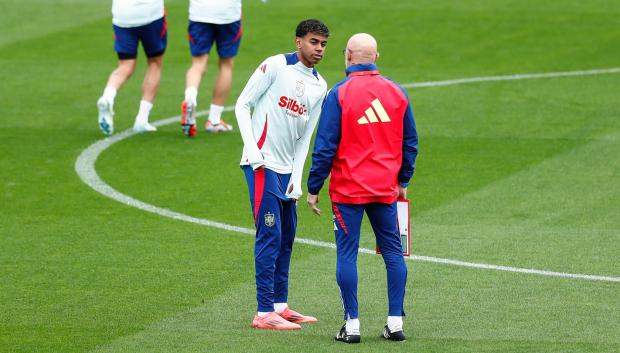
x=215, y=11
x=286, y=97
x=135, y=13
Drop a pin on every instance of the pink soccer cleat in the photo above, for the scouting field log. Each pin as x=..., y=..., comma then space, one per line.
x=293, y=316
x=273, y=321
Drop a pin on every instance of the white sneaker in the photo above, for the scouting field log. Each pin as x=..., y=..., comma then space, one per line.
x=221, y=127
x=106, y=116
x=143, y=127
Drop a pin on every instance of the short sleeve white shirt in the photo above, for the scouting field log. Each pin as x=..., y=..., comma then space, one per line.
x=215, y=11
x=135, y=13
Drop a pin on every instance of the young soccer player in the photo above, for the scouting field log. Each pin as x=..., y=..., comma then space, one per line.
x=286, y=93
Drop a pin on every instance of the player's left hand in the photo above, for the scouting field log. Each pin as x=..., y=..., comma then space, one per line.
x=313, y=200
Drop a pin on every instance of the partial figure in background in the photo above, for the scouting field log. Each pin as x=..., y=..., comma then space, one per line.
x=219, y=22
x=135, y=21
x=367, y=141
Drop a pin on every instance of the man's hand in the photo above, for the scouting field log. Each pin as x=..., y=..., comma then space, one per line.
x=313, y=200
x=402, y=192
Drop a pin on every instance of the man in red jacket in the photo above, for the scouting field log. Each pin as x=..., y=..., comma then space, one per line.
x=367, y=140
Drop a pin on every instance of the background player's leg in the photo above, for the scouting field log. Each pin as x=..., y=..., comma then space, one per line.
x=223, y=81
x=126, y=47
x=150, y=86
x=154, y=38
x=194, y=76
x=201, y=38
x=192, y=82
x=221, y=89
x=121, y=74
x=105, y=104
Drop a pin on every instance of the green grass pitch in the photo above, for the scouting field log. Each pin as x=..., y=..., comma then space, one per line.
x=519, y=173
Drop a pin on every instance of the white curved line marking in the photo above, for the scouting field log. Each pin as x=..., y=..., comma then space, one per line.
x=85, y=168
x=459, y=81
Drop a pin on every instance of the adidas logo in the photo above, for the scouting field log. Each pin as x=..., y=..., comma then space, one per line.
x=370, y=116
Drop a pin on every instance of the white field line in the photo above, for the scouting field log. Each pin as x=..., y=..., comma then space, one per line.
x=85, y=168
x=459, y=81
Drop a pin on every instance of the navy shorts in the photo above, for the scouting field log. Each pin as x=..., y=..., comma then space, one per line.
x=202, y=35
x=153, y=36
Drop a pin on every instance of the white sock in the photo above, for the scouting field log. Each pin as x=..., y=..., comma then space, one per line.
x=109, y=93
x=280, y=307
x=143, y=113
x=215, y=113
x=353, y=326
x=191, y=94
x=395, y=323
x=263, y=313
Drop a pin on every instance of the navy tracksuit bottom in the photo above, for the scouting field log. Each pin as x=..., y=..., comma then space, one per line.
x=384, y=221
x=275, y=217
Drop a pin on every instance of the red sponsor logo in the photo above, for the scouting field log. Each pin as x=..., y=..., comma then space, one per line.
x=292, y=105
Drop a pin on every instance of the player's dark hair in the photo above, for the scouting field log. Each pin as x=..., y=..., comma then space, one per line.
x=311, y=26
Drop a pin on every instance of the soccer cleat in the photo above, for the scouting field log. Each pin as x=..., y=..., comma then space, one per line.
x=221, y=127
x=273, y=321
x=293, y=316
x=143, y=127
x=393, y=336
x=343, y=336
x=188, y=119
x=106, y=116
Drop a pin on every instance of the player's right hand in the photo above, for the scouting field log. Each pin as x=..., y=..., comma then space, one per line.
x=313, y=201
